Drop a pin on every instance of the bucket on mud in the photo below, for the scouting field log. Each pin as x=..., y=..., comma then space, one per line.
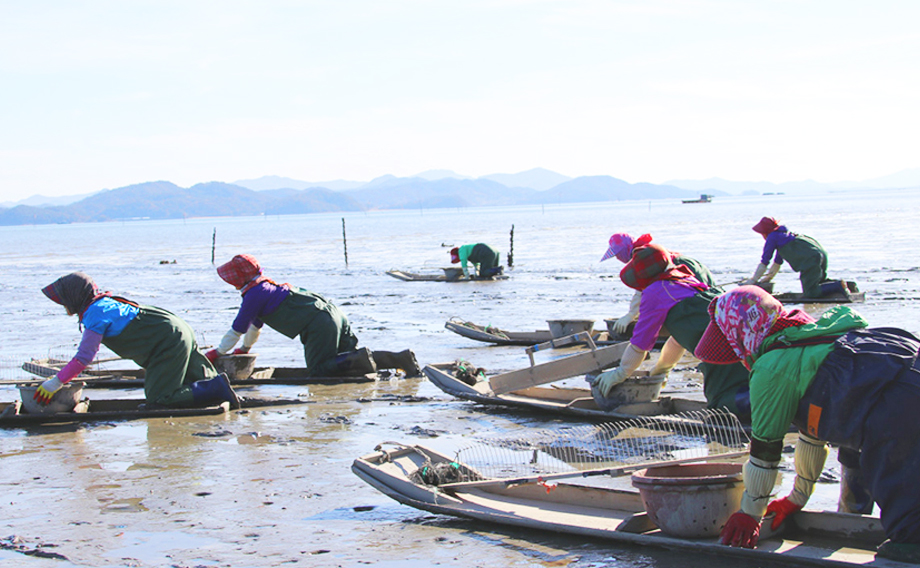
x=561, y=328
x=766, y=286
x=690, y=500
x=237, y=367
x=64, y=400
x=640, y=387
x=453, y=273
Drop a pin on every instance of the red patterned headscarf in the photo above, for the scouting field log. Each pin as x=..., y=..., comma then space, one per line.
x=242, y=272
x=652, y=263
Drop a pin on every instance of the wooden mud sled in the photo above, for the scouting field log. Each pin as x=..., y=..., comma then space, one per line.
x=638, y=395
x=134, y=378
x=550, y=490
x=496, y=336
x=13, y=415
x=449, y=276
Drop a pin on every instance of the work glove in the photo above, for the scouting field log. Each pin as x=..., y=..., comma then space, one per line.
x=758, y=272
x=47, y=389
x=213, y=355
x=622, y=324
x=240, y=351
x=782, y=508
x=741, y=530
x=609, y=379
x=774, y=269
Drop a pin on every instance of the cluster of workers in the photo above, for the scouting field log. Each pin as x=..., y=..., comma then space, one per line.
x=834, y=378
x=177, y=373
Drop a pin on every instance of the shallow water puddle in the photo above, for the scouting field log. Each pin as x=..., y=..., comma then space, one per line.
x=151, y=548
x=132, y=505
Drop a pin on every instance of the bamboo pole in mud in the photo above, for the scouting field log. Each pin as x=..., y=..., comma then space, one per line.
x=344, y=242
x=511, y=249
x=213, y=244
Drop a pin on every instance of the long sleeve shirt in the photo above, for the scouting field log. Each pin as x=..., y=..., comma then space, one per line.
x=657, y=300
x=103, y=318
x=774, y=241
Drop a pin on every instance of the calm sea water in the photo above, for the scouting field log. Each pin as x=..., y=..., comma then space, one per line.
x=870, y=236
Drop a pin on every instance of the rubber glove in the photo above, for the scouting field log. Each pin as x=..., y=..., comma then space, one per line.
x=758, y=272
x=782, y=508
x=213, y=355
x=774, y=269
x=741, y=530
x=622, y=324
x=609, y=379
x=632, y=358
x=47, y=389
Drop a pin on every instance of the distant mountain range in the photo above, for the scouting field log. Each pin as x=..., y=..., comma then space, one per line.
x=273, y=195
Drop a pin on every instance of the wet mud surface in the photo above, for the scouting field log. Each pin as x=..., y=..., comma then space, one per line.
x=265, y=487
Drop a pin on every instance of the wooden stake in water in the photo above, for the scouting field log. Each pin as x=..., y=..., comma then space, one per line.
x=344, y=242
x=511, y=250
x=213, y=244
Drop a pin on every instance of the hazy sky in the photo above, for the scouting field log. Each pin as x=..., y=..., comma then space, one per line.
x=99, y=94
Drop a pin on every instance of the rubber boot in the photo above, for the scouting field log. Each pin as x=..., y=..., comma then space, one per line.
x=404, y=360
x=355, y=363
x=834, y=288
x=214, y=391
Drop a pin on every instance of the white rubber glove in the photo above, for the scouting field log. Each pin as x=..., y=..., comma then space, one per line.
x=774, y=269
x=630, y=361
x=670, y=355
x=758, y=272
x=47, y=389
x=621, y=324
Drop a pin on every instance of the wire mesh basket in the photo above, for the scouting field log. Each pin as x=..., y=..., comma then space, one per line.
x=640, y=442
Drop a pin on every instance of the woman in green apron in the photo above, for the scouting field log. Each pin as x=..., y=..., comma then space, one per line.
x=330, y=347
x=176, y=374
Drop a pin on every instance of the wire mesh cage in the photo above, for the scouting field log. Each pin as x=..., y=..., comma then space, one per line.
x=688, y=436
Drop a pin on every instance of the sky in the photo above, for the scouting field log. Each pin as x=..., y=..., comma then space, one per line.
x=104, y=94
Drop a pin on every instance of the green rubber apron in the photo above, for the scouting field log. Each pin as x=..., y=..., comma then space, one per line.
x=686, y=322
x=809, y=259
x=323, y=329
x=164, y=345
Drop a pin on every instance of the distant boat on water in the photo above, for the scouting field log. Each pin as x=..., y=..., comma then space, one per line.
x=704, y=198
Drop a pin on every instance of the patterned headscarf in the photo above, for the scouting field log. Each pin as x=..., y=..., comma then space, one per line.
x=652, y=263
x=740, y=321
x=242, y=272
x=75, y=291
x=621, y=245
